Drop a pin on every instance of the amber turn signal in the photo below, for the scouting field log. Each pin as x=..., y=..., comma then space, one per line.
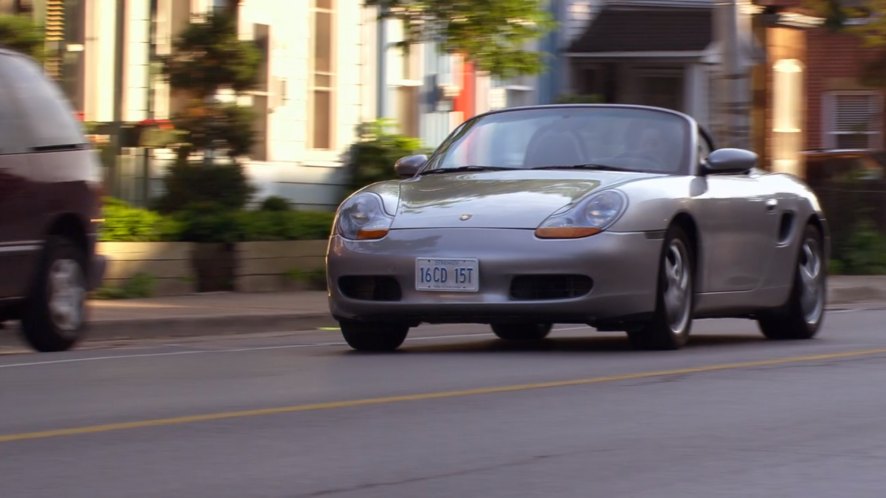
x=565, y=232
x=371, y=234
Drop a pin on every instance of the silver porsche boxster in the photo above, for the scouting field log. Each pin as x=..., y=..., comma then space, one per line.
x=621, y=217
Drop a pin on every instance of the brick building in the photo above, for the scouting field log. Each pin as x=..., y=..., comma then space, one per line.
x=842, y=112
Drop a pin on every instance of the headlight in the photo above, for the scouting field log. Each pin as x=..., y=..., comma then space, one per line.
x=363, y=217
x=588, y=217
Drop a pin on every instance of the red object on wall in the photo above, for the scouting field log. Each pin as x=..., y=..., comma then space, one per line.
x=466, y=101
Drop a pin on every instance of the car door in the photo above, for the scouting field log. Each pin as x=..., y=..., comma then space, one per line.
x=20, y=199
x=738, y=217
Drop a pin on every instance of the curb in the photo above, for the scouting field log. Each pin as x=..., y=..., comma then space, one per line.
x=195, y=326
x=192, y=326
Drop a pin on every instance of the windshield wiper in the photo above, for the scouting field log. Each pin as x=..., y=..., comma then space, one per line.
x=437, y=171
x=600, y=167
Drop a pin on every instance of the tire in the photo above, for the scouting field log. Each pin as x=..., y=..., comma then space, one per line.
x=373, y=336
x=802, y=315
x=54, y=315
x=522, y=331
x=675, y=295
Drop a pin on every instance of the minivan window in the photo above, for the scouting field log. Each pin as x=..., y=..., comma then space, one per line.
x=9, y=116
x=49, y=119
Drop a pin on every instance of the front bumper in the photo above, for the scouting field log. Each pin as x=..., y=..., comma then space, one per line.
x=623, y=268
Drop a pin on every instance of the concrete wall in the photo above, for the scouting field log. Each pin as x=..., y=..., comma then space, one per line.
x=259, y=266
x=169, y=263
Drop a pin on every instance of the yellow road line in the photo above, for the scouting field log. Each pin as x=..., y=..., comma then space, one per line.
x=260, y=412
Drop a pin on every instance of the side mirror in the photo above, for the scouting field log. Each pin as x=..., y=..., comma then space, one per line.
x=408, y=166
x=730, y=161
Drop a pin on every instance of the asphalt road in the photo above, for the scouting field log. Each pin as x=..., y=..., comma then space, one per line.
x=454, y=413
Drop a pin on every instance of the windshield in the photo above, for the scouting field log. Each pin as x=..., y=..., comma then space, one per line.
x=613, y=138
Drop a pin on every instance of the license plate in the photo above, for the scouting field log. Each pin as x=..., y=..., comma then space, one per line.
x=447, y=274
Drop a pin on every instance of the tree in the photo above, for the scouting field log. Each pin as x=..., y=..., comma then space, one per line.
x=208, y=57
x=379, y=147
x=493, y=34
x=22, y=34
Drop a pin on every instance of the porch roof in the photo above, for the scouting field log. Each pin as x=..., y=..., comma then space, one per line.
x=646, y=29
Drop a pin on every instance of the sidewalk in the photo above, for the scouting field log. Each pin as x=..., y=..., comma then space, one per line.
x=240, y=313
x=209, y=314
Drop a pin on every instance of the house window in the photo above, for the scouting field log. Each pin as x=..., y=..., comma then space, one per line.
x=321, y=96
x=404, y=81
x=852, y=120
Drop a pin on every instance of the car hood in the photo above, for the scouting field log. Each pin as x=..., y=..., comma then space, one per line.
x=505, y=199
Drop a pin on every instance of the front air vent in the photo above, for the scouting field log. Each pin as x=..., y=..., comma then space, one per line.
x=785, y=228
x=370, y=287
x=542, y=287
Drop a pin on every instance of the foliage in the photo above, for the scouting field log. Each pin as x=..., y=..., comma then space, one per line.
x=125, y=223
x=139, y=285
x=20, y=33
x=188, y=184
x=865, y=251
x=208, y=56
x=211, y=222
x=218, y=126
x=285, y=225
x=374, y=155
x=493, y=34
x=275, y=203
x=313, y=279
x=208, y=221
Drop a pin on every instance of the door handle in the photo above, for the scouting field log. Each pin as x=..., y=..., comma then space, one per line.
x=771, y=204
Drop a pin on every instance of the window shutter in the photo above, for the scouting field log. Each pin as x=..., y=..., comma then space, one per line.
x=855, y=113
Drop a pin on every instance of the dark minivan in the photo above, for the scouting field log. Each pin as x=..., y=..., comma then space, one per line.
x=49, y=208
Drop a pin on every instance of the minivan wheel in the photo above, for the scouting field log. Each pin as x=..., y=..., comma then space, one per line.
x=54, y=314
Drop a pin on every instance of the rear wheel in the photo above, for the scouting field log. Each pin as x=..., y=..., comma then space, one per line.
x=54, y=315
x=801, y=316
x=522, y=331
x=373, y=336
x=672, y=320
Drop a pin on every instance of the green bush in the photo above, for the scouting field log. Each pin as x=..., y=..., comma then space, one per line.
x=373, y=157
x=188, y=184
x=864, y=253
x=285, y=225
x=209, y=222
x=313, y=279
x=275, y=203
x=125, y=223
x=139, y=285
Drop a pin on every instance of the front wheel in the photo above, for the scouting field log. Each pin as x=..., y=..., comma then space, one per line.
x=373, y=336
x=522, y=331
x=801, y=316
x=672, y=319
x=55, y=313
